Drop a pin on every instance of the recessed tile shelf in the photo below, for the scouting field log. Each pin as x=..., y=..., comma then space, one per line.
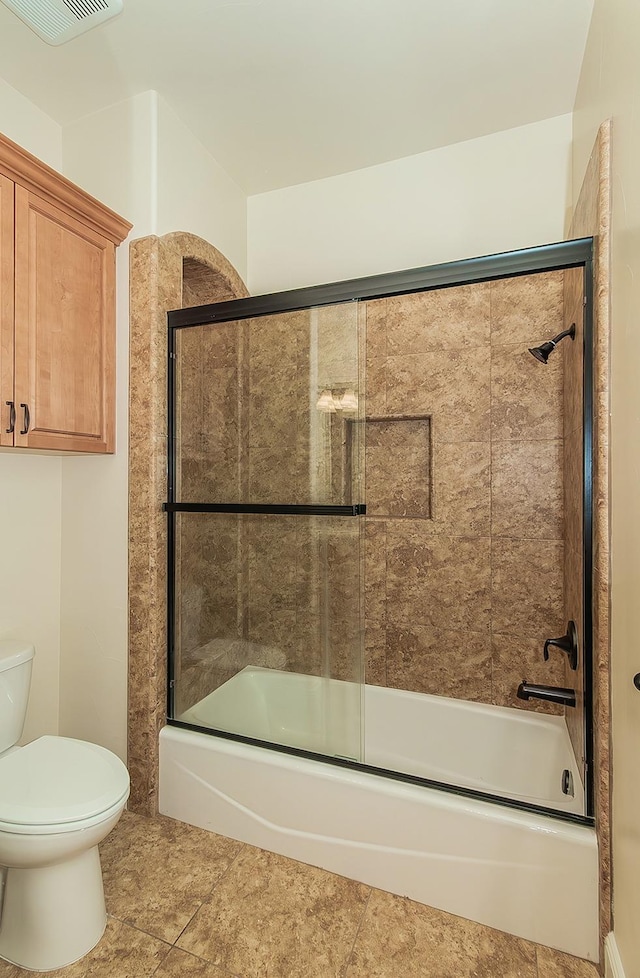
x=398, y=465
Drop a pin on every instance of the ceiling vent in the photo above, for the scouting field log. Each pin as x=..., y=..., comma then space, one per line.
x=57, y=21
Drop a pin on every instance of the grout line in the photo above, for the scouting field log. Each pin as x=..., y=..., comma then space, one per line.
x=128, y=923
x=207, y=896
x=198, y=957
x=164, y=958
x=243, y=846
x=345, y=968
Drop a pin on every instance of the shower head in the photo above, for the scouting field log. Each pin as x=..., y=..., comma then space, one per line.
x=544, y=351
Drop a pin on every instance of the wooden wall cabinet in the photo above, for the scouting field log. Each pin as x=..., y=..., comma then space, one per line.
x=57, y=310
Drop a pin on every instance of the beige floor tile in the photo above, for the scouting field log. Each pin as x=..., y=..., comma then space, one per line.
x=123, y=952
x=402, y=939
x=179, y=964
x=554, y=964
x=272, y=917
x=158, y=871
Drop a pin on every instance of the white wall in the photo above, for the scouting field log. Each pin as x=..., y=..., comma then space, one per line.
x=30, y=488
x=30, y=575
x=610, y=87
x=27, y=125
x=496, y=193
x=195, y=194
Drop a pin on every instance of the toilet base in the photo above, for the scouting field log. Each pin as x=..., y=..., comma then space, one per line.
x=52, y=915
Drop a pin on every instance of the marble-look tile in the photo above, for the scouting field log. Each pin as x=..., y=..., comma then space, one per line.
x=278, y=408
x=329, y=646
x=398, y=467
x=376, y=383
x=220, y=345
x=189, y=389
x=527, y=587
x=180, y=964
x=574, y=611
x=274, y=465
x=573, y=375
x=283, y=630
x=437, y=580
x=573, y=488
x=273, y=916
x=213, y=571
x=156, y=285
x=573, y=290
x=375, y=568
x=462, y=488
x=439, y=319
x=593, y=217
x=375, y=650
x=340, y=568
x=173, y=864
x=376, y=327
x=516, y=658
x=220, y=437
x=347, y=653
x=526, y=309
x=454, y=389
x=440, y=662
x=326, y=563
x=526, y=396
x=526, y=490
x=123, y=952
x=274, y=579
x=401, y=938
x=555, y=964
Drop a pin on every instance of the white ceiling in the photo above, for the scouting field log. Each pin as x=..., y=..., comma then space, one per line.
x=284, y=91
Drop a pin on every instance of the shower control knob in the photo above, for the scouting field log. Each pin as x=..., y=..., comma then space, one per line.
x=636, y=680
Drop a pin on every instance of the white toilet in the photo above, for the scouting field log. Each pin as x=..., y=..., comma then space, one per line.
x=58, y=799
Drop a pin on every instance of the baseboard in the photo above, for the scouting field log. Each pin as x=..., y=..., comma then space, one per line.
x=612, y=960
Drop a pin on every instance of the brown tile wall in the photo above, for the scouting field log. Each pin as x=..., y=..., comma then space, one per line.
x=592, y=217
x=460, y=599
x=157, y=282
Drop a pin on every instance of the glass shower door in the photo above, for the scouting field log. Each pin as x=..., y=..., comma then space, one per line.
x=267, y=589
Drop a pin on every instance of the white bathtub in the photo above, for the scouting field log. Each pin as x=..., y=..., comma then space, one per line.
x=527, y=874
x=513, y=753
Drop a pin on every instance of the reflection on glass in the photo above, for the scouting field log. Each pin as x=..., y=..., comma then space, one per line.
x=268, y=636
x=262, y=409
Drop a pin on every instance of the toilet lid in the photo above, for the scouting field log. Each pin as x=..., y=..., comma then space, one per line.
x=55, y=780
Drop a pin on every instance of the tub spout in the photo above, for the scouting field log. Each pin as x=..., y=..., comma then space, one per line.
x=552, y=694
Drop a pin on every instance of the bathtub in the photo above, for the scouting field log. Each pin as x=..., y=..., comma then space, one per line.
x=527, y=874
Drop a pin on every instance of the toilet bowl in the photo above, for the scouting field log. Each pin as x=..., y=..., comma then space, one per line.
x=59, y=798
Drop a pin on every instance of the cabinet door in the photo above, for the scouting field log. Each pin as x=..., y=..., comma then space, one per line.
x=64, y=330
x=6, y=309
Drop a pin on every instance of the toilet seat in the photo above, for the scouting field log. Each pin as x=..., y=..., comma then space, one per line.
x=57, y=784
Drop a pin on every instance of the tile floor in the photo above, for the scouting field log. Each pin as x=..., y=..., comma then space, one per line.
x=184, y=902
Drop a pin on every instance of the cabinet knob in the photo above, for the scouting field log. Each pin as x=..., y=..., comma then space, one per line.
x=636, y=680
x=12, y=417
x=27, y=419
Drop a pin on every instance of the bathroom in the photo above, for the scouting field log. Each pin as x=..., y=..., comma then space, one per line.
x=66, y=518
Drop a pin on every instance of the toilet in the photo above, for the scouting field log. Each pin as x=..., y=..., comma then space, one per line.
x=59, y=798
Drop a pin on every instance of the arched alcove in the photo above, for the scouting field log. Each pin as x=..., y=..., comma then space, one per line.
x=169, y=272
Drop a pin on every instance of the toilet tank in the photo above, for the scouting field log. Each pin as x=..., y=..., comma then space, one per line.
x=16, y=658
